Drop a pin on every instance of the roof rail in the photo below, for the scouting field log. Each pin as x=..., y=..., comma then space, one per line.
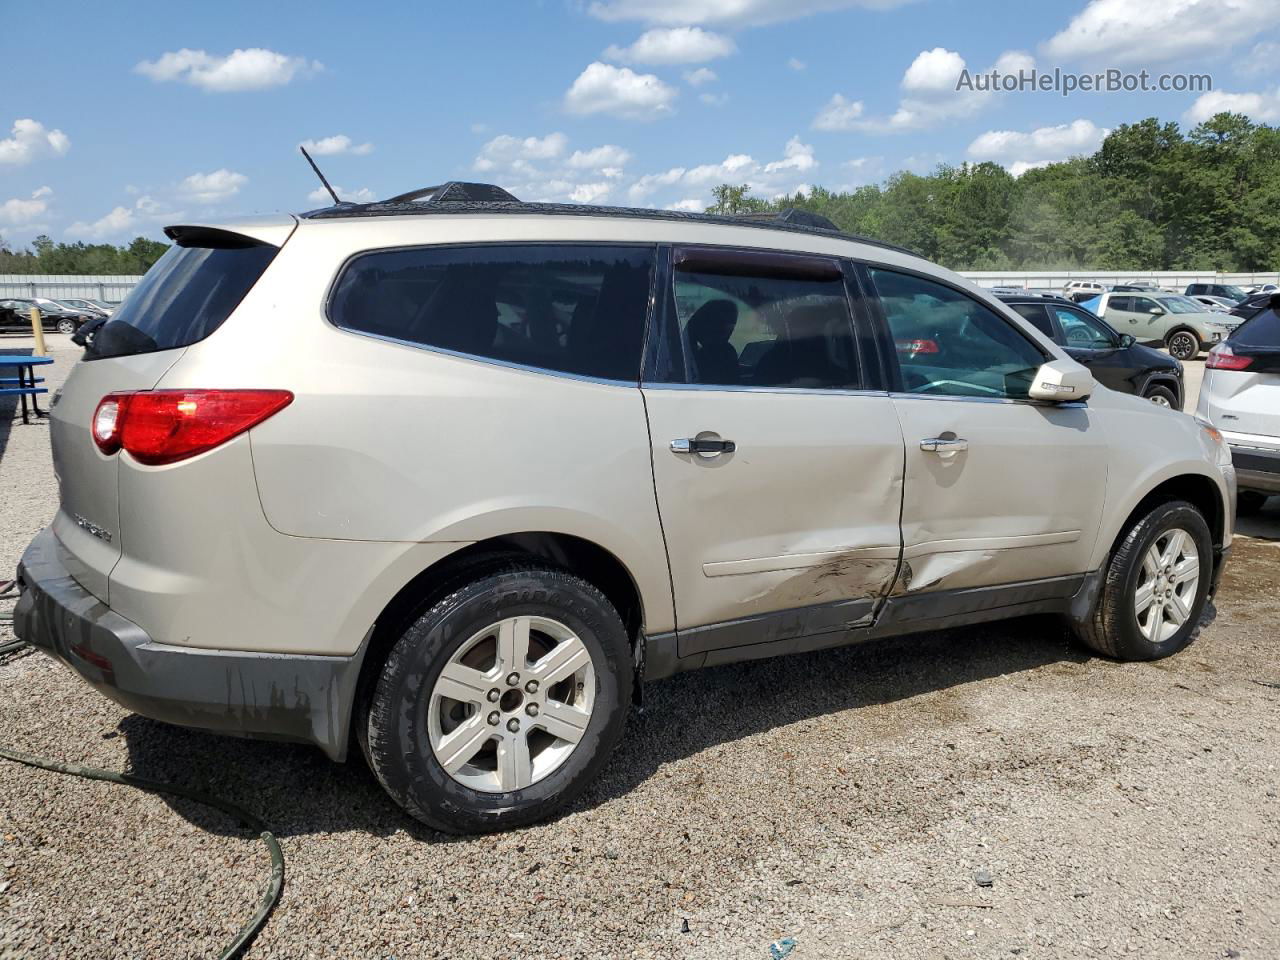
x=456, y=191
x=793, y=215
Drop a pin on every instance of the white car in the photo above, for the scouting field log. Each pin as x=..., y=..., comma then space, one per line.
x=1240, y=395
x=450, y=475
x=1215, y=304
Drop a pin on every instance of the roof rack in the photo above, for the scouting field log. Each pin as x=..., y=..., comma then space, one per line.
x=459, y=197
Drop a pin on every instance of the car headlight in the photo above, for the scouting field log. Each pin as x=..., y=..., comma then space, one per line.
x=1223, y=457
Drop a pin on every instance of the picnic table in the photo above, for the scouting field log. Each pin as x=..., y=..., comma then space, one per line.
x=24, y=384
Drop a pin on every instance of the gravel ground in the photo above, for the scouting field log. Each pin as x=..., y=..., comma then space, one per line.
x=859, y=801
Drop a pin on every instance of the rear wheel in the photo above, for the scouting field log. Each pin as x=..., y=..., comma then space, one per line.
x=1155, y=586
x=1163, y=397
x=1250, y=501
x=66, y=326
x=1183, y=345
x=502, y=702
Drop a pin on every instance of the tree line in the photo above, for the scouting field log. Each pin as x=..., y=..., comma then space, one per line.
x=1150, y=198
x=46, y=256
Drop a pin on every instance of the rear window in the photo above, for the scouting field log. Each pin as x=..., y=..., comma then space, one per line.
x=577, y=309
x=1262, y=331
x=185, y=296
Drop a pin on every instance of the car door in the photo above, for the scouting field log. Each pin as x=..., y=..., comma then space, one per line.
x=777, y=456
x=1000, y=492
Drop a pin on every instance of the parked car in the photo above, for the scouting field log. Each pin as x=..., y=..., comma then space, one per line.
x=95, y=308
x=1229, y=291
x=1176, y=322
x=15, y=313
x=1252, y=305
x=1215, y=304
x=454, y=486
x=1072, y=288
x=1135, y=288
x=1240, y=395
x=1265, y=288
x=1115, y=359
x=1081, y=296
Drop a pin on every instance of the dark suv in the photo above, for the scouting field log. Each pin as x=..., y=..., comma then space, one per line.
x=1230, y=291
x=1117, y=361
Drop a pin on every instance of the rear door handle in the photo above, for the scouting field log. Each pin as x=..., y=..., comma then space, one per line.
x=687, y=445
x=944, y=445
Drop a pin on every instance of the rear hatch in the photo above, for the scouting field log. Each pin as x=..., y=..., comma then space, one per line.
x=1244, y=393
x=182, y=300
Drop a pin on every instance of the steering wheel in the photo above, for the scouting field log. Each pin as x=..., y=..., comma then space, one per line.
x=934, y=385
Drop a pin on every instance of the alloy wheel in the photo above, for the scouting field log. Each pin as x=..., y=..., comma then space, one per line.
x=1167, y=585
x=1182, y=346
x=1160, y=400
x=512, y=704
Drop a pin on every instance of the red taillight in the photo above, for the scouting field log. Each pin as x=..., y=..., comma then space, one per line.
x=1222, y=357
x=163, y=426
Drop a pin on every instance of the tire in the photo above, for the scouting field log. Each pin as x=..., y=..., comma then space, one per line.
x=1114, y=628
x=66, y=326
x=490, y=789
x=1164, y=397
x=1183, y=345
x=1249, y=501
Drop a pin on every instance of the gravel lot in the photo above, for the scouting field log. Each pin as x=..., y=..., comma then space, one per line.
x=848, y=799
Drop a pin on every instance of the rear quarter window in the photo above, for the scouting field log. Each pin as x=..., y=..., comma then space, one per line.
x=577, y=309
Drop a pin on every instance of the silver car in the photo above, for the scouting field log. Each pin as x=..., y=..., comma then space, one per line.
x=1240, y=395
x=450, y=476
x=1169, y=320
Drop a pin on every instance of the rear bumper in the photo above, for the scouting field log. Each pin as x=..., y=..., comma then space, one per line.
x=1256, y=468
x=306, y=699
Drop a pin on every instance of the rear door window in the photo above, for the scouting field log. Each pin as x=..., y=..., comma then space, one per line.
x=572, y=309
x=185, y=296
x=1035, y=313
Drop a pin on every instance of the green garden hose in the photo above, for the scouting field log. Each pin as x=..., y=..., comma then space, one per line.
x=270, y=896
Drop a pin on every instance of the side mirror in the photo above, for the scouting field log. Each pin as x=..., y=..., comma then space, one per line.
x=1061, y=381
x=1156, y=311
x=1127, y=340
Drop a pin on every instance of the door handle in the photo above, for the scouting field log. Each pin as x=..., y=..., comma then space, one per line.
x=712, y=447
x=944, y=446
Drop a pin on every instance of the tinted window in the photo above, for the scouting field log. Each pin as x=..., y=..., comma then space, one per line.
x=951, y=345
x=1120, y=303
x=759, y=324
x=575, y=309
x=1081, y=330
x=1035, y=313
x=1262, y=331
x=1142, y=305
x=184, y=297
x=1197, y=288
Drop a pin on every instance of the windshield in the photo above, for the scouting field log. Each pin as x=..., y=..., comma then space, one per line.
x=1234, y=292
x=1180, y=305
x=184, y=297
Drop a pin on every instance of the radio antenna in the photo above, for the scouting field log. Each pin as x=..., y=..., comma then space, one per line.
x=336, y=201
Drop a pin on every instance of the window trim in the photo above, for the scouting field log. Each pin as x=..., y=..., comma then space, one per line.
x=326, y=306
x=887, y=350
x=669, y=320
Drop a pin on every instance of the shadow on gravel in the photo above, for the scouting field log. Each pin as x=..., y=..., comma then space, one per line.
x=296, y=790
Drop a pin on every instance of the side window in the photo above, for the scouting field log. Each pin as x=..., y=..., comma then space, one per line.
x=948, y=344
x=764, y=320
x=1035, y=313
x=1142, y=305
x=572, y=309
x=1123, y=304
x=1081, y=330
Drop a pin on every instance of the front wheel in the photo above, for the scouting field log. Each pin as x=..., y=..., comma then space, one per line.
x=499, y=705
x=1155, y=586
x=1163, y=397
x=66, y=326
x=1184, y=345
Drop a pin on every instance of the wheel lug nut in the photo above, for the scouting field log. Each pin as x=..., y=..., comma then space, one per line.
x=513, y=679
x=531, y=709
x=513, y=725
x=494, y=695
x=531, y=686
x=494, y=718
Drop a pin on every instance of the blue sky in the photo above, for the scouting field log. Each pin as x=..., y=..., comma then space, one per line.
x=117, y=119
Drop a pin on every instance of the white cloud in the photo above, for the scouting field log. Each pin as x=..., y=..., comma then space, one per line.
x=930, y=97
x=212, y=187
x=673, y=45
x=1262, y=107
x=740, y=13
x=338, y=143
x=687, y=205
x=19, y=211
x=1142, y=32
x=506, y=152
x=797, y=156
x=602, y=88
x=796, y=64
x=251, y=69
x=1263, y=58
x=692, y=184
x=839, y=114
x=696, y=78
x=1020, y=152
x=590, y=192
x=603, y=158
x=30, y=140
x=650, y=183
x=714, y=99
x=118, y=221
x=321, y=195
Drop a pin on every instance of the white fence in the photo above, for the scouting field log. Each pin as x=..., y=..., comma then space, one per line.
x=56, y=286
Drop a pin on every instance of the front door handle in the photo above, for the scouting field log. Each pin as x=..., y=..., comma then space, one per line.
x=945, y=446
x=711, y=447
